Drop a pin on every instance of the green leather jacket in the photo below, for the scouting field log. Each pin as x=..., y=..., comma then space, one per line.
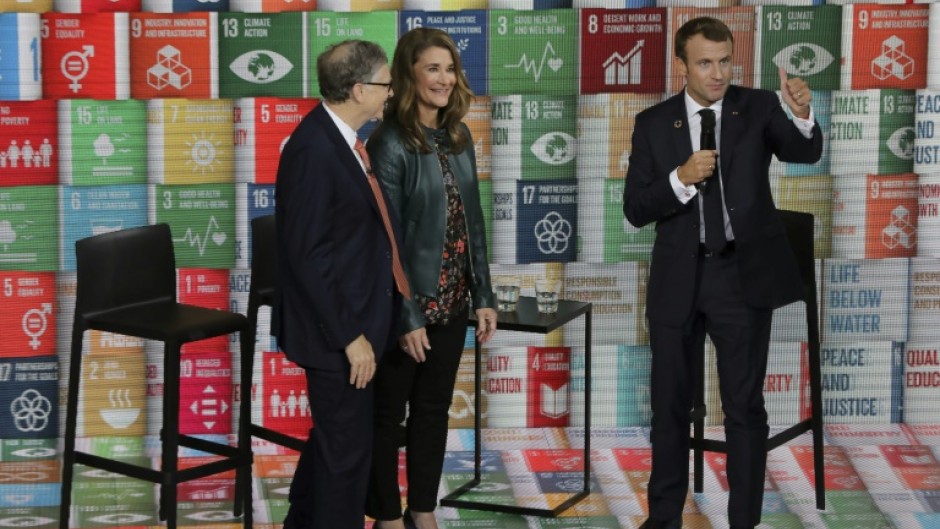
x=415, y=188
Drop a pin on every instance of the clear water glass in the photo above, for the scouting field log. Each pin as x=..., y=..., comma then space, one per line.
x=507, y=293
x=546, y=295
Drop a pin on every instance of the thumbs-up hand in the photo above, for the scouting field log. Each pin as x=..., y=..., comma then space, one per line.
x=796, y=94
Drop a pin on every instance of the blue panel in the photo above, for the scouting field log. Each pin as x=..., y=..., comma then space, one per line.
x=469, y=31
x=185, y=6
x=88, y=211
x=29, y=390
x=546, y=221
x=551, y=4
x=30, y=495
x=9, y=57
x=260, y=203
x=461, y=462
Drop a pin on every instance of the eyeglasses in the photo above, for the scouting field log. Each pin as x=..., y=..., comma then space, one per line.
x=388, y=86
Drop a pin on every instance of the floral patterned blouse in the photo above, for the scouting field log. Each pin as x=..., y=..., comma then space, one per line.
x=452, y=288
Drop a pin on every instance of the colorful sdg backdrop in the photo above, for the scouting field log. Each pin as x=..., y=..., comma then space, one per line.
x=122, y=113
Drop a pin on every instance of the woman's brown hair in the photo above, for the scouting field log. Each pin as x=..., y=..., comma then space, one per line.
x=403, y=107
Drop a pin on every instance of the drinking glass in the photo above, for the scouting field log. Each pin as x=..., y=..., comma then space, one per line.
x=546, y=295
x=507, y=293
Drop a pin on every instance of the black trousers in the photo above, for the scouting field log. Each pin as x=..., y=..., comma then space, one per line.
x=741, y=335
x=428, y=389
x=329, y=486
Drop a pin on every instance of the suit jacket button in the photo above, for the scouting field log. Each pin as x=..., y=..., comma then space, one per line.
x=695, y=225
x=388, y=292
x=388, y=255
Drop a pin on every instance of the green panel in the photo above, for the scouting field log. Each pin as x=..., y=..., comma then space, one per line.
x=108, y=141
x=534, y=52
x=27, y=450
x=114, y=447
x=495, y=488
x=549, y=137
x=29, y=228
x=32, y=517
x=202, y=219
x=277, y=509
x=117, y=491
x=586, y=522
x=622, y=242
x=206, y=512
x=471, y=519
x=327, y=28
x=856, y=521
x=260, y=54
x=274, y=488
x=805, y=40
x=896, y=132
x=850, y=502
x=113, y=515
x=780, y=521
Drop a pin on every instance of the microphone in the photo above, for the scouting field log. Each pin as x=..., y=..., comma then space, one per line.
x=707, y=139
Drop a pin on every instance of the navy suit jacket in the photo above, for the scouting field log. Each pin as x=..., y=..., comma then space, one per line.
x=334, y=257
x=753, y=127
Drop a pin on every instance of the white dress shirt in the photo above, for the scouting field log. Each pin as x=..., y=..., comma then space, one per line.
x=685, y=193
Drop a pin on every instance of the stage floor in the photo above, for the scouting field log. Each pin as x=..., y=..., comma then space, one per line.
x=877, y=476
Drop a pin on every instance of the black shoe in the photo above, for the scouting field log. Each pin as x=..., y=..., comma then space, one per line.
x=409, y=521
x=654, y=523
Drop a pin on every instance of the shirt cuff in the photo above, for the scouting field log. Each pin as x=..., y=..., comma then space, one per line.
x=805, y=126
x=683, y=192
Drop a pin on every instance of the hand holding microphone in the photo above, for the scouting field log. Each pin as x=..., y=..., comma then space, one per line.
x=704, y=162
x=698, y=168
x=707, y=142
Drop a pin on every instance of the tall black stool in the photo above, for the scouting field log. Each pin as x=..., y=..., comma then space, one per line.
x=260, y=293
x=126, y=284
x=799, y=228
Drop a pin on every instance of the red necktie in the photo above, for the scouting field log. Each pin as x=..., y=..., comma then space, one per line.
x=401, y=280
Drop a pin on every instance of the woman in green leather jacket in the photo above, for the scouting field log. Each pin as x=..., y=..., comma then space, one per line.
x=423, y=154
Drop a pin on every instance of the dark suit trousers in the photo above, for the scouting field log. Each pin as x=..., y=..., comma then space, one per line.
x=741, y=335
x=428, y=388
x=329, y=486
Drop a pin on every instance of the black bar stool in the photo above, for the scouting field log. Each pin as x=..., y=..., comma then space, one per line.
x=799, y=228
x=126, y=284
x=260, y=293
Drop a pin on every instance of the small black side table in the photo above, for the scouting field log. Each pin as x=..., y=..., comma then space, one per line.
x=527, y=318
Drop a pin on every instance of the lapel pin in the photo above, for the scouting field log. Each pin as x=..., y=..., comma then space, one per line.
x=677, y=124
